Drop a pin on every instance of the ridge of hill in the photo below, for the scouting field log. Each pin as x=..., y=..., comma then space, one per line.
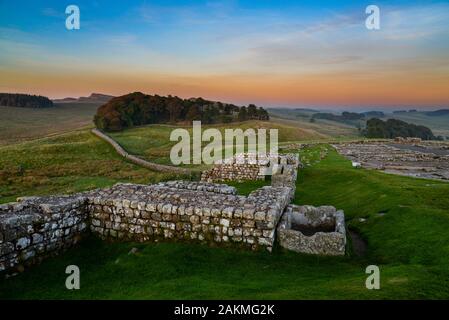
x=99, y=98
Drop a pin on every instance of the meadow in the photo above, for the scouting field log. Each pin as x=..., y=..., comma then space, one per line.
x=403, y=221
x=153, y=143
x=66, y=163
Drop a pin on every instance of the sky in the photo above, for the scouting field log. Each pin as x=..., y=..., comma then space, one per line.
x=273, y=53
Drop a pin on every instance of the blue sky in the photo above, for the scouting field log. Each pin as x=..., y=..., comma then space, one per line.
x=275, y=53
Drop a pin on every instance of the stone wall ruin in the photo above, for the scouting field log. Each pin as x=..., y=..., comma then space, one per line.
x=37, y=227
x=250, y=166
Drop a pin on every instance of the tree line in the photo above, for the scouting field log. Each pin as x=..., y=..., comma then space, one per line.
x=24, y=100
x=139, y=109
x=392, y=128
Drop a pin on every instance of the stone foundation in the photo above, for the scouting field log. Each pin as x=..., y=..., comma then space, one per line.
x=407, y=157
x=177, y=210
x=311, y=230
x=150, y=213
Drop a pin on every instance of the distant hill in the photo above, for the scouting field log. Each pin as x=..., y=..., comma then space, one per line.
x=441, y=112
x=97, y=98
x=405, y=111
x=306, y=110
x=345, y=116
x=374, y=114
x=140, y=109
x=20, y=100
x=392, y=128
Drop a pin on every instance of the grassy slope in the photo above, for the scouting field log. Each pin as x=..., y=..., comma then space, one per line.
x=331, y=129
x=64, y=164
x=19, y=124
x=79, y=161
x=409, y=243
x=153, y=142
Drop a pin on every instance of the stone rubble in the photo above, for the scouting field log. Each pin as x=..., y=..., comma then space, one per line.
x=409, y=157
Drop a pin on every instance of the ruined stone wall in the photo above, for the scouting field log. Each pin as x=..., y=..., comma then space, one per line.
x=39, y=227
x=249, y=166
x=238, y=168
x=177, y=210
x=150, y=213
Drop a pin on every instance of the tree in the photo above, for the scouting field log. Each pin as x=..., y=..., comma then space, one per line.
x=139, y=109
x=193, y=113
x=243, y=115
x=392, y=128
x=24, y=100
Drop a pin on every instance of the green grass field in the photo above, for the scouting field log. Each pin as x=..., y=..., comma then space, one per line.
x=153, y=143
x=332, y=130
x=66, y=163
x=78, y=161
x=405, y=227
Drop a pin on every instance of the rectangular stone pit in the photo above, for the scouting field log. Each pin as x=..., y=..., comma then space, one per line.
x=312, y=230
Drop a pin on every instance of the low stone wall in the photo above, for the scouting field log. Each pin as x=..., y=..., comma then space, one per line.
x=177, y=210
x=312, y=230
x=39, y=227
x=233, y=172
x=150, y=213
x=249, y=166
x=200, y=186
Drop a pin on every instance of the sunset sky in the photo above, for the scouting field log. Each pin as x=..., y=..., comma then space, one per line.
x=273, y=53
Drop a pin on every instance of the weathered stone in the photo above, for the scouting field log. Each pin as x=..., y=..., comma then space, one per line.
x=22, y=243
x=318, y=230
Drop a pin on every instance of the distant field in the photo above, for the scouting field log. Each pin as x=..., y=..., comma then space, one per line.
x=20, y=124
x=438, y=124
x=301, y=118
